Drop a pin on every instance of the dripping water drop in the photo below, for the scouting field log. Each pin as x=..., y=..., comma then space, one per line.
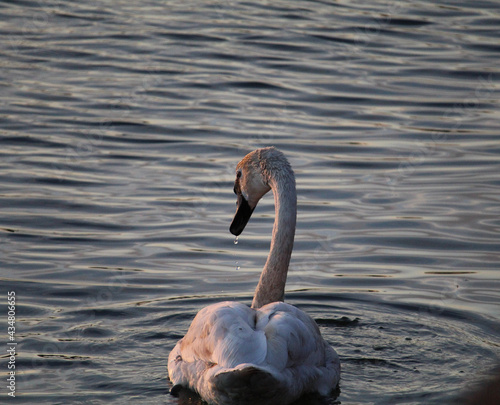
x=236, y=240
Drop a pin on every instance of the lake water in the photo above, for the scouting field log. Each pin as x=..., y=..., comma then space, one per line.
x=121, y=125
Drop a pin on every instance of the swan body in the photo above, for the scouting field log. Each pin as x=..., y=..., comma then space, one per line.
x=271, y=353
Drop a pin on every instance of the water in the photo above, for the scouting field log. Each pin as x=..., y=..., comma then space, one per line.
x=121, y=126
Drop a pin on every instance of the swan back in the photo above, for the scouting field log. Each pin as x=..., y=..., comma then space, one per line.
x=235, y=354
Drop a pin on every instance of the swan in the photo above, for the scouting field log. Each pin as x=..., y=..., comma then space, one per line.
x=270, y=353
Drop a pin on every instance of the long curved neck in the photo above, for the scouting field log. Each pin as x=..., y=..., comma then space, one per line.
x=271, y=287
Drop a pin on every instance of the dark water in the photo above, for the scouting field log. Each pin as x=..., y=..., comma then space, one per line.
x=121, y=124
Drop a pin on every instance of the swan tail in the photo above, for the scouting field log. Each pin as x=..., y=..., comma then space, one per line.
x=248, y=384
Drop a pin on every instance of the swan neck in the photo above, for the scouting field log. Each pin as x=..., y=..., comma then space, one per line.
x=271, y=287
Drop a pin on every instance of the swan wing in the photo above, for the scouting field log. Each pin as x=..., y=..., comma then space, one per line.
x=217, y=355
x=293, y=338
x=224, y=334
x=304, y=361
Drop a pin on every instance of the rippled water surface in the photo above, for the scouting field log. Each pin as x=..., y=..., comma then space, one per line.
x=121, y=125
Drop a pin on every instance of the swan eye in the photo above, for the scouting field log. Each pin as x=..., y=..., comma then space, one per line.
x=236, y=188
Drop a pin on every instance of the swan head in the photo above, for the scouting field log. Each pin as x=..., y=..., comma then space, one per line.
x=252, y=182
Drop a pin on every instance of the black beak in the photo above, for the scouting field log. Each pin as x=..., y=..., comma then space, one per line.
x=243, y=214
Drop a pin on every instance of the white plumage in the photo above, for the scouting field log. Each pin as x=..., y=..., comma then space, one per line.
x=272, y=353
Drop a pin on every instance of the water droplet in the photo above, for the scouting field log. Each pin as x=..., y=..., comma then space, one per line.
x=236, y=240
x=238, y=266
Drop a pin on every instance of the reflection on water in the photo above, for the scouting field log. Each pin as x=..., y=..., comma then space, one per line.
x=121, y=126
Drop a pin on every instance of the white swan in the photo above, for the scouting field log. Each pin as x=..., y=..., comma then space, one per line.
x=271, y=353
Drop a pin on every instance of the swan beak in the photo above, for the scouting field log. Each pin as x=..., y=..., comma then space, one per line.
x=243, y=214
